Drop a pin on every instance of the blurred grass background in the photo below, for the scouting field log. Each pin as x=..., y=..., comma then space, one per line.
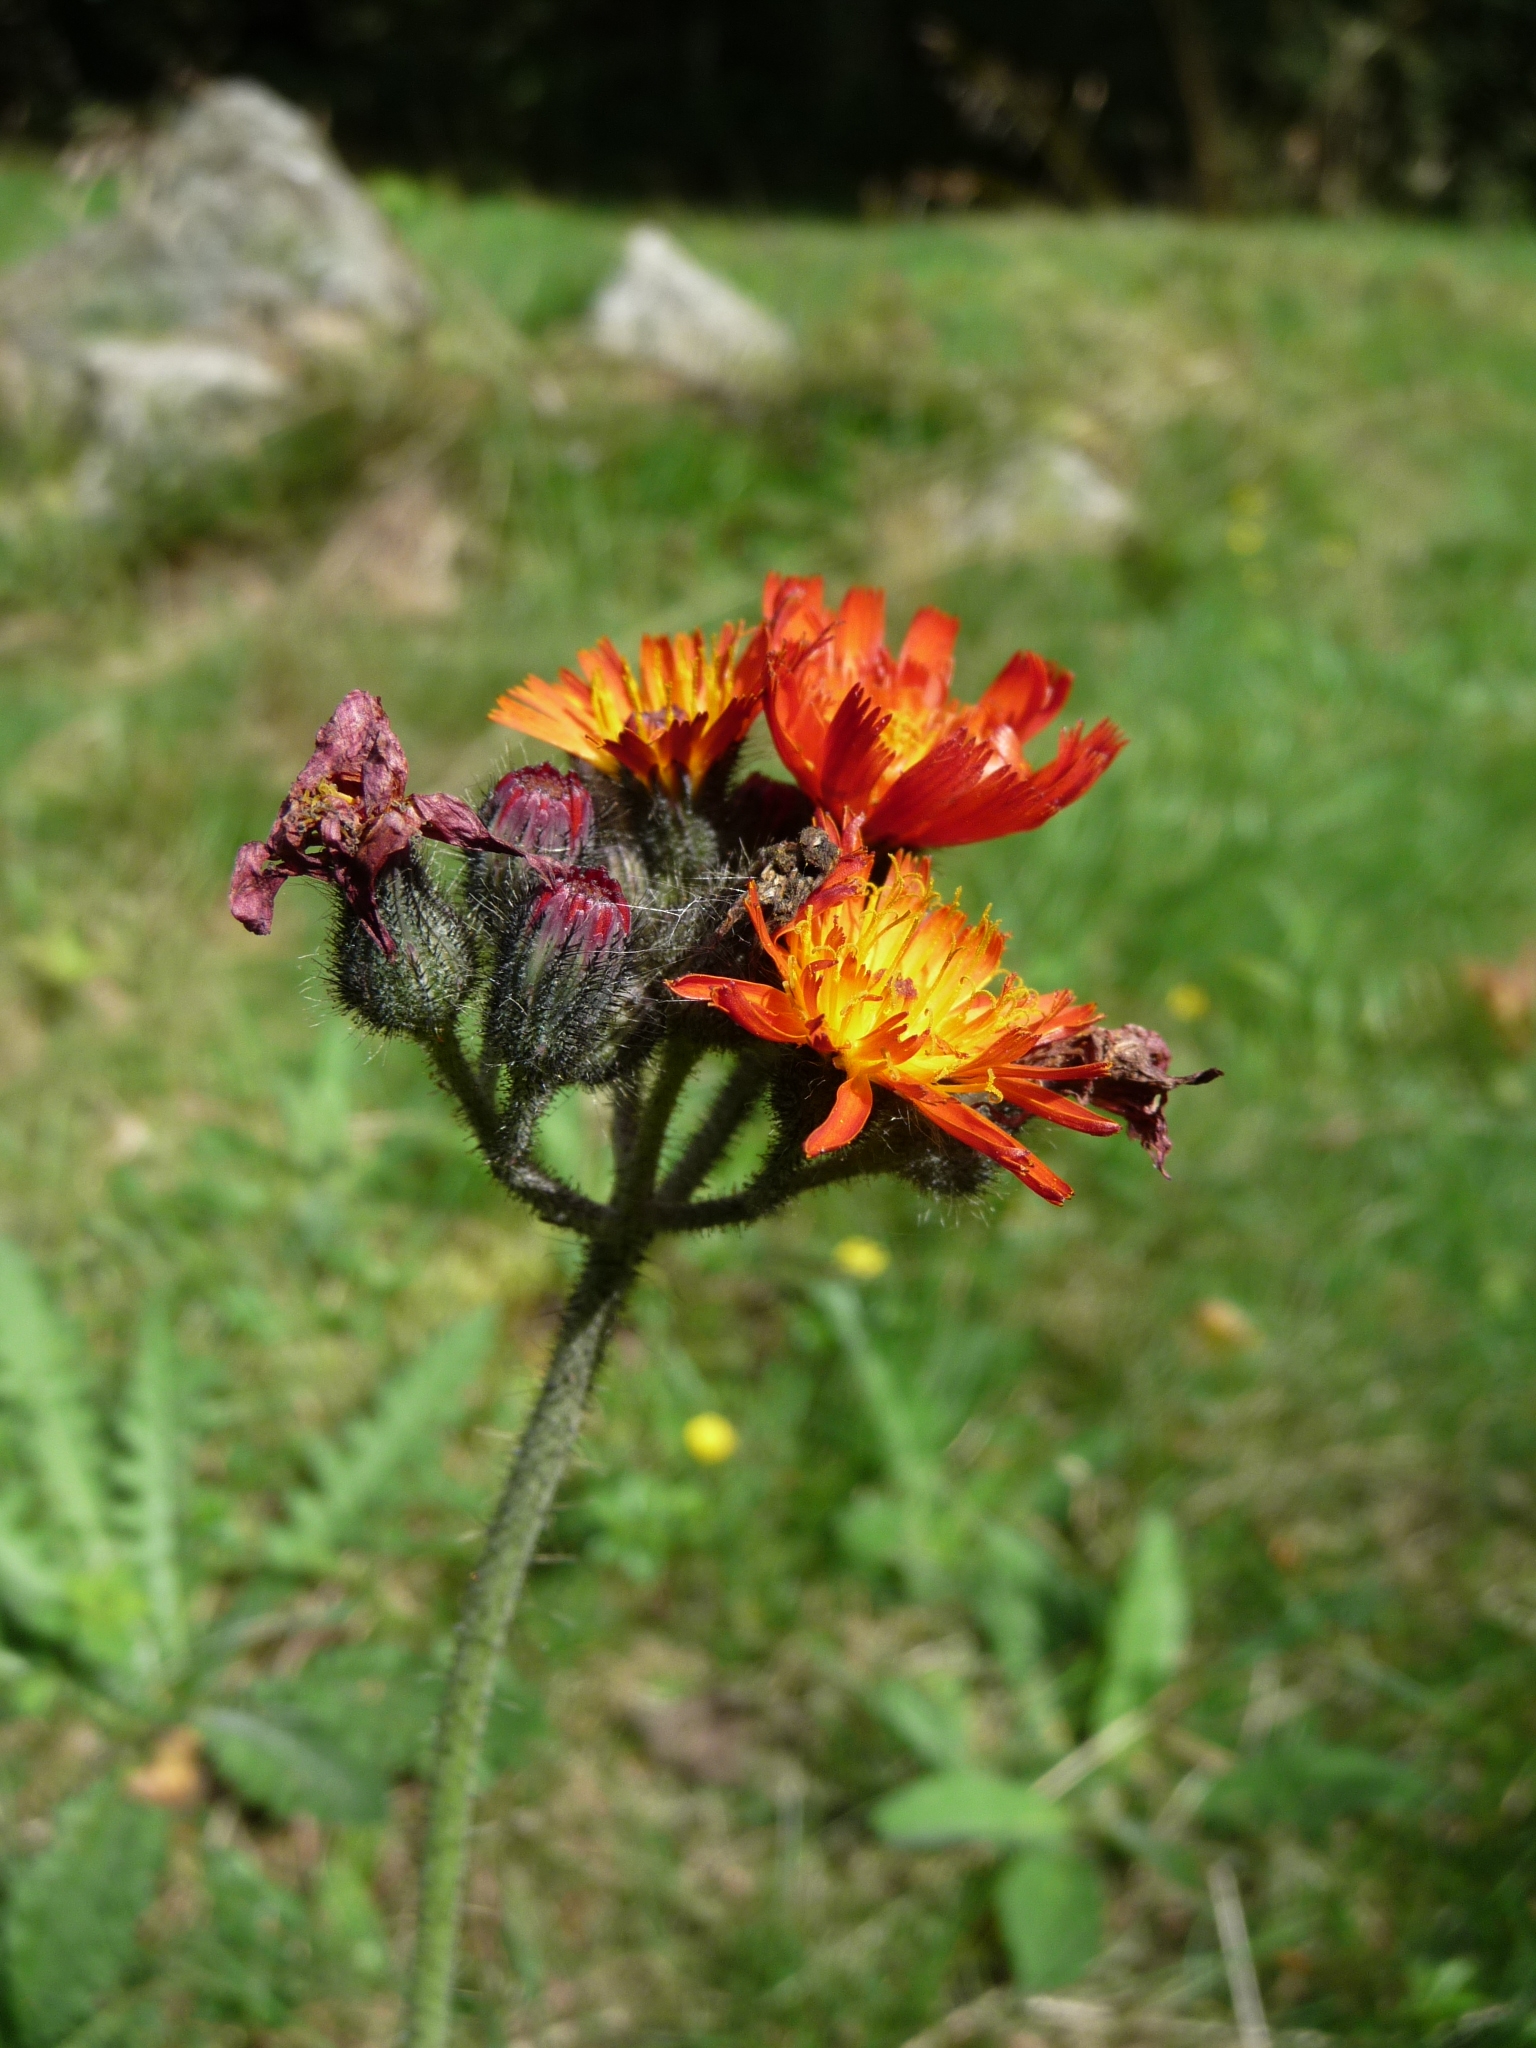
x=1311, y=1346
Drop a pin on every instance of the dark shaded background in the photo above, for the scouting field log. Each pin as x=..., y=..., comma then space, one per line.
x=1422, y=104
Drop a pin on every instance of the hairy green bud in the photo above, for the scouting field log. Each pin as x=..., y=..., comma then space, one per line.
x=418, y=989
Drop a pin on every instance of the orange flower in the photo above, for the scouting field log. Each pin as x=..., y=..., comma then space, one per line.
x=688, y=706
x=893, y=985
x=869, y=734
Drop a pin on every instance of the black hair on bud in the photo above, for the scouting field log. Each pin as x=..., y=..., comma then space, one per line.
x=943, y=1166
x=418, y=990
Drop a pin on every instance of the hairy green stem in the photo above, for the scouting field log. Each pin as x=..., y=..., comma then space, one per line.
x=618, y=1234
x=529, y=1493
x=452, y=1068
x=635, y=1188
x=784, y=1177
x=617, y=1237
x=737, y=1097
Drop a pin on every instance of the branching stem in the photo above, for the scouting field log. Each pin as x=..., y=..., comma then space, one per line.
x=451, y=1066
x=734, y=1103
x=769, y=1191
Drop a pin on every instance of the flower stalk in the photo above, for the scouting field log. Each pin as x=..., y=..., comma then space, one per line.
x=537, y=1469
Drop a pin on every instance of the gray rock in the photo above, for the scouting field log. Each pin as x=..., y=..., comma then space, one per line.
x=1043, y=498
x=664, y=309
x=242, y=257
x=139, y=389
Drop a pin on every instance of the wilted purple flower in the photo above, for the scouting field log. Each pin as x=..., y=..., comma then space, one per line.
x=540, y=810
x=1137, y=1084
x=347, y=820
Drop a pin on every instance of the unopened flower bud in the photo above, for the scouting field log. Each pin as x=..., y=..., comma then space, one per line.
x=538, y=813
x=557, y=975
x=417, y=989
x=539, y=810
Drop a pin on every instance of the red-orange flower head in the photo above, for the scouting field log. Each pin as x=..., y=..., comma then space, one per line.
x=893, y=985
x=689, y=705
x=867, y=733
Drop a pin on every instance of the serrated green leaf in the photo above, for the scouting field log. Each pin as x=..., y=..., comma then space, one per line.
x=284, y=1768
x=70, y=1919
x=968, y=1806
x=149, y=1474
x=1050, y=1911
x=38, y=1380
x=32, y=1595
x=1148, y=1635
x=371, y=1704
x=415, y=1409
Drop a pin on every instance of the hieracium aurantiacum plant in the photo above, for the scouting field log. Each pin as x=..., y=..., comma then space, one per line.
x=613, y=925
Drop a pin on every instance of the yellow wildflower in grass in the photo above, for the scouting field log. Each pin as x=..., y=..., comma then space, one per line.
x=1226, y=1327
x=1189, y=1002
x=861, y=1258
x=710, y=1439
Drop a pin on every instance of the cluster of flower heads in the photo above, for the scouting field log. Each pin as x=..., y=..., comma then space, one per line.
x=603, y=910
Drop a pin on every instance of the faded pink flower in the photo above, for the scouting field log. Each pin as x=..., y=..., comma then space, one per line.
x=347, y=820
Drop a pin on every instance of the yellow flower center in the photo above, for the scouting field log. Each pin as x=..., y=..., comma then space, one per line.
x=679, y=680
x=896, y=980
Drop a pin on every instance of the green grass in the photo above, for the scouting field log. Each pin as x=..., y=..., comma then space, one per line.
x=1326, y=807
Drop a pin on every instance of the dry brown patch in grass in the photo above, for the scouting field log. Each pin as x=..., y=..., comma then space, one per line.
x=397, y=554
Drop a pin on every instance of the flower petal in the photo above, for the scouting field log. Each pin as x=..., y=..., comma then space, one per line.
x=798, y=733
x=357, y=750
x=385, y=840
x=860, y=627
x=963, y=791
x=765, y=1012
x=850, y=1113
x=450, y=820
x=854, y=756
x=768, y=942
x=253, y=887
x=1056, y=1109
x=929, y=647
x=793, y=602
x=982, y=1135
x=560, y=713
x=1026, y=696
